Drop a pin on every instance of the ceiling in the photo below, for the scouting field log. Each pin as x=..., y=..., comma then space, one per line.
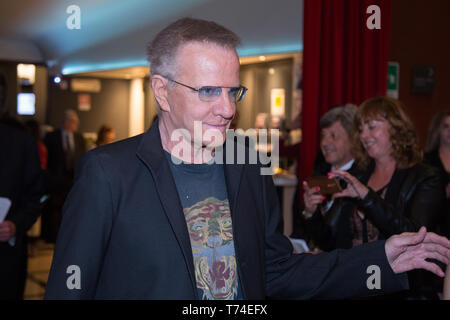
x=114, y=33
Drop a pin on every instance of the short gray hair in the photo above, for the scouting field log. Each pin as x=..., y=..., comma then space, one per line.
x=344, y=114
x=162, y=50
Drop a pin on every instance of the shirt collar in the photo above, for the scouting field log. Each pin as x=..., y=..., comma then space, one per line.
x=346, y=166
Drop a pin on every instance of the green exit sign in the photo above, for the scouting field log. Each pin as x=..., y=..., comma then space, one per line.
x=393, y=79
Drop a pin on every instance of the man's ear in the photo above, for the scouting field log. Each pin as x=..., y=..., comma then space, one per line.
x=159, y=86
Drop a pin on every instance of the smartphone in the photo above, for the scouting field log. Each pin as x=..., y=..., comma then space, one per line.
x=327, y=186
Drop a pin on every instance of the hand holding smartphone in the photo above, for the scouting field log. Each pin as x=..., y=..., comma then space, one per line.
x=327, y=186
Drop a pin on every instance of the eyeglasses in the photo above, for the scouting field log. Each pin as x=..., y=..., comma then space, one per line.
x=212, y=93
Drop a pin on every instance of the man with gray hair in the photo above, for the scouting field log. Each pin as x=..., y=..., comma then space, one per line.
x=324, y=217
x=65, y=147
x=137, y=225
x=336, y=132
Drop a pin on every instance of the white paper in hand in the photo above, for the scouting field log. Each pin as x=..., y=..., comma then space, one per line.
x=5, y=204
x=299, y=245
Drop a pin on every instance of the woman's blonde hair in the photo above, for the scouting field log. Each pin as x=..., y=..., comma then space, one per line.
x=405, y=147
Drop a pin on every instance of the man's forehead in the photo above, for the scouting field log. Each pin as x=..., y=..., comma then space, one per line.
x=207, y=64
x=195, y=51
x=203, y=46
x=72, y=118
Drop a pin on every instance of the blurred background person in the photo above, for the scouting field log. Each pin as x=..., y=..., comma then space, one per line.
x=438, y=155
x=34, y=129
x=21, y=186
x=5, y=117
x=106, y=134
x=65, y=147
x=323, y=216
x=397, y=192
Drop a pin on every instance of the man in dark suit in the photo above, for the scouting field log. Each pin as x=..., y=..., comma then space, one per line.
x=21, y=186
x=65, y=147
x=326, y=220
x=158, y=216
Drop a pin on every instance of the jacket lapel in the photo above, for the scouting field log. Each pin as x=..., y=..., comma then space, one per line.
x=233, y=173
x=394, y=188
x=151, y=152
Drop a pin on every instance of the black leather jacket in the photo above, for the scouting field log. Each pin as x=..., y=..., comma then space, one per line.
x=414, y=197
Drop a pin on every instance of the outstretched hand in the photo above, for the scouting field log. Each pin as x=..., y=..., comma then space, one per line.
x=408, y=251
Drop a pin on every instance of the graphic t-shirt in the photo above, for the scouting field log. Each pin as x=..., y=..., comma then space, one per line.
x=203, y=194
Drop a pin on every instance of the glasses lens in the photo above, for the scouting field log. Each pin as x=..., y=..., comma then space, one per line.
x=209, y=93
x=234, y=94
x=212, y=93
x=237, y=93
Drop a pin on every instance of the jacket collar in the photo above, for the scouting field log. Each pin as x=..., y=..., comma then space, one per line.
x=233, y=175
x=151, y=153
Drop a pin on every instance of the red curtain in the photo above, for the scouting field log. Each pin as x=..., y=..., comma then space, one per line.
x=343, y=62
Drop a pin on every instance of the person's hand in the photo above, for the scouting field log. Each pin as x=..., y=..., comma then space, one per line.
x=354, y=189
x=408, y=251
x=311, y=197
x=315, y=251
x=446, y=291
x=7, y=230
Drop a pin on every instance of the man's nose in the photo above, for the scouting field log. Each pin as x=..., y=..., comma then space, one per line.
x=325, y=140
x=225, y=106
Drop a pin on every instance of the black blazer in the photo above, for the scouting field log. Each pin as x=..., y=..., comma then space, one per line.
x=59, y=178
x=124, y=226
x=21, y=181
